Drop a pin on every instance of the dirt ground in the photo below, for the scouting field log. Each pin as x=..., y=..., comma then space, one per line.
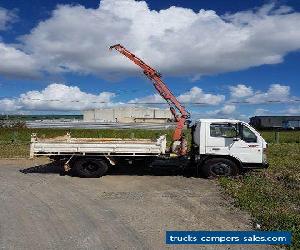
x=126, y=209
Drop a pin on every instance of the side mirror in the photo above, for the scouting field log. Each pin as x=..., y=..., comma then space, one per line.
x=236, y=139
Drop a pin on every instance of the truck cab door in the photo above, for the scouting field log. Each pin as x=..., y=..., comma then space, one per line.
x=247, y=147
x=220, y=137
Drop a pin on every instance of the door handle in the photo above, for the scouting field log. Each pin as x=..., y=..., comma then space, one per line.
x=215, y=148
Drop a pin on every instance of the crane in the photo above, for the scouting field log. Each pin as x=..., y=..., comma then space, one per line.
x=175, y=106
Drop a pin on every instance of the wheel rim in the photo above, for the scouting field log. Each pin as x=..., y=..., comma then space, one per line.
x=220, y=169
x=90, y=166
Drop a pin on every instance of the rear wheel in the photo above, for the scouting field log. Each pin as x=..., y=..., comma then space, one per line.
x=219, y=167
x=89, y=168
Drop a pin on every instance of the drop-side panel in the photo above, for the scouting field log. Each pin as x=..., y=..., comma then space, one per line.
x=97, y=146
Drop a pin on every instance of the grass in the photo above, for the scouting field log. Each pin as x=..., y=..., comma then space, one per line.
x=272, y=196
x=284, y=136
x=23, y=134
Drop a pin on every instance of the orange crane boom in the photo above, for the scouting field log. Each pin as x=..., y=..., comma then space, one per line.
x=182, y=118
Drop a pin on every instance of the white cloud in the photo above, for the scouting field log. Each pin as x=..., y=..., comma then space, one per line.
x=76, y=39
x=293, y=110
x=9, y=105
x=240, y=91
x=194, y=95
x=225, y=111
x=155, y=98
x=58, y=97
x=7, y=17
x=261, y=111
x=275, y=93
x=228, y=109
x=16, y=63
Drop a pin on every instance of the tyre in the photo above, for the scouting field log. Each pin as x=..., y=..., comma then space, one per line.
x=89, y=168
x=218, y=167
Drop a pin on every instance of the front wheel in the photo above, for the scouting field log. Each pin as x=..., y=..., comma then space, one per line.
x=89, y=168
x=219, y=167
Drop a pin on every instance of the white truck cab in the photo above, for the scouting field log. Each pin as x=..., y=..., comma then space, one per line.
x=221, y=142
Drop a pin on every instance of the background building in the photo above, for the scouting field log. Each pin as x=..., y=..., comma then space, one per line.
x=128, y=115
x=292, y=122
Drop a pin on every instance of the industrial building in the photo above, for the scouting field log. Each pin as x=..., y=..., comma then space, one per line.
x=286, y=122
x=128, y=115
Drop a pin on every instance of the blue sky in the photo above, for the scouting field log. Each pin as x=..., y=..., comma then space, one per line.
x=235, y=56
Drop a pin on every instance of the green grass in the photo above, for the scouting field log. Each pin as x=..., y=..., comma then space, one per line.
x=284, y=136
x=272, y=196
x=14, y=150
x=23, y=134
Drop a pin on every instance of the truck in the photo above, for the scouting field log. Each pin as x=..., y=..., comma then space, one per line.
x=219, y=147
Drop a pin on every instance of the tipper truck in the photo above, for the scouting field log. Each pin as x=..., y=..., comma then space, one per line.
x=219, y=147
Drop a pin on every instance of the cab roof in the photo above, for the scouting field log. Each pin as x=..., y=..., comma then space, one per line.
x=218, y=120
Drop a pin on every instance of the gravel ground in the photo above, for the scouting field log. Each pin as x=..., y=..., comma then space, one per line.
x=126, y=209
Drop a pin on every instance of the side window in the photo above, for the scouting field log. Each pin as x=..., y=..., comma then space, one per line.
x=223, y=130
x=248, y=135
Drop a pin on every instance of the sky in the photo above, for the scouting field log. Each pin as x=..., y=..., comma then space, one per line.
x=222, y=59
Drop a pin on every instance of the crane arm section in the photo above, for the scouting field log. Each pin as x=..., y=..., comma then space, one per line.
x=163, y=90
